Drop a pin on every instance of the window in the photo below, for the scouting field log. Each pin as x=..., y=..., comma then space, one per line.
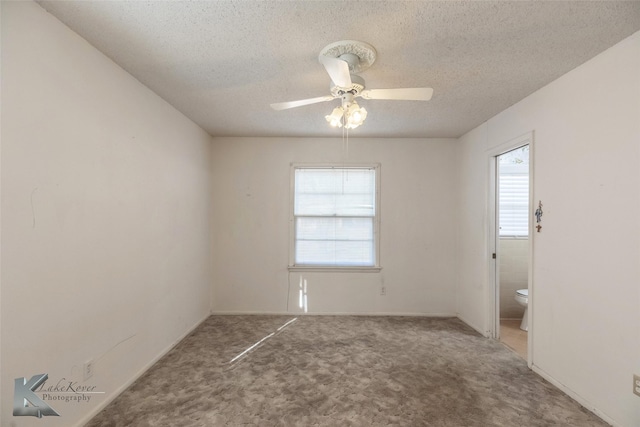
x=335, y=216
x=513, y=181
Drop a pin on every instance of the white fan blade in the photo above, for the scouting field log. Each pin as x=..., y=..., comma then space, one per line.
x=403, y=94
x=293, y=104
x=338, y=70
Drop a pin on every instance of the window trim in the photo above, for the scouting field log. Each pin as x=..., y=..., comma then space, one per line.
x=376, y=222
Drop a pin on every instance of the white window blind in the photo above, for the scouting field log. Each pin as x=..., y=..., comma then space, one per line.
x=513, y=174
x=334, y=216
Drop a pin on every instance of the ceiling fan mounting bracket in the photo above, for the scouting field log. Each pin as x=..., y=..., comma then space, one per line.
x=359, y=55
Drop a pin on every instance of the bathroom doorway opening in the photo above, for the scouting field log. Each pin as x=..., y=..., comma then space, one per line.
x=512, y=242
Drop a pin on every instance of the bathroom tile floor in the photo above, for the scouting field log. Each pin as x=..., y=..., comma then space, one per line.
x=513, y=337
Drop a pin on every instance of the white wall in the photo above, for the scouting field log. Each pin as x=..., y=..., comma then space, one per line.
x=105, y=216
x=471, y=236
x=586, y=261
x=251, y=182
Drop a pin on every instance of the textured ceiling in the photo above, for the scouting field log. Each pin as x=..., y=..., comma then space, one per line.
x=222, y=63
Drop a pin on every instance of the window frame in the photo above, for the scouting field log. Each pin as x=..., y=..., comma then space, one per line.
x=292, y=219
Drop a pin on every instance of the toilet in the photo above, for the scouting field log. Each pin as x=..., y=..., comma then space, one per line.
x=522, y=297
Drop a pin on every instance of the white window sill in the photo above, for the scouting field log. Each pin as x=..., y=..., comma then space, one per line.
x=315, y=268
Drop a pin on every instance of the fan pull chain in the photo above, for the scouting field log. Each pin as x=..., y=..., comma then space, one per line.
x=347, y=148
x=345, y=145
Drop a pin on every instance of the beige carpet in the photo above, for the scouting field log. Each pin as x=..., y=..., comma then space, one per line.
x=341, y=371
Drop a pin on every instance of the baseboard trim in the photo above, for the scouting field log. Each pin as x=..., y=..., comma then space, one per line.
x=138, y=374
x=340, y=313
x=575, y=396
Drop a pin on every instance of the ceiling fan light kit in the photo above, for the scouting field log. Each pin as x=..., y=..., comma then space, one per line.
x=342, y=60
x=351, y=116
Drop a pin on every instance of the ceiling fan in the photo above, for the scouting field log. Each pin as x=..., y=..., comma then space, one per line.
x=342, y=60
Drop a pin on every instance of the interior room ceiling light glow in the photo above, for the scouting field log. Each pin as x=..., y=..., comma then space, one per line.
x=335, y=118
x=350, y=115
x=354, y=116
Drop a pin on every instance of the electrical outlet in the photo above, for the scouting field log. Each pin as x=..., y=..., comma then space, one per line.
x=87, y=370
x=383, y=291
x=636, y=384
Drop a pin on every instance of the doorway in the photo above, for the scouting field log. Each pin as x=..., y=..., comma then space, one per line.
x=510, y=244
x=512, y=241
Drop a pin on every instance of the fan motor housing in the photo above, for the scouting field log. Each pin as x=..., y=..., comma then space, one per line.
x=357, y=86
